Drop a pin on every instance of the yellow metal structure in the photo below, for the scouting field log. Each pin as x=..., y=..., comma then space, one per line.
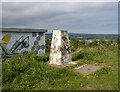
x=6, y=39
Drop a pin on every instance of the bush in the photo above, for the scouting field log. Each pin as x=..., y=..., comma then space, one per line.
x=48, y=45
x=13, y=68
x=17, y=65
x=74, y=43
x=94, y=43
x=43, y=58
x=82, y=55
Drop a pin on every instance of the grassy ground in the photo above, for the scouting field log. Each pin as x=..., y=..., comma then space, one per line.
x=0, y=74
x=32, y=73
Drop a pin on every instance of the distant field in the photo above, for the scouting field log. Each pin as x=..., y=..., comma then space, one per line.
x=32, y=73
x=87, y=36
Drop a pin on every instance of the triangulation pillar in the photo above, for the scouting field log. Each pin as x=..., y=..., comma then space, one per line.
x=60, y=52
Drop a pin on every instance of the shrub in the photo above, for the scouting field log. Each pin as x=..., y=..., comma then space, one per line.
x=74, y=43
x=48, y=45
x=82, y=55
x=43, y=58
x=17, y=65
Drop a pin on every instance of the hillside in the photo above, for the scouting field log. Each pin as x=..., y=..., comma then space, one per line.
x=32, y=73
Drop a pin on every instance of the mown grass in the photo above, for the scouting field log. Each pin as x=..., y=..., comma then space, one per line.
x=32, y=73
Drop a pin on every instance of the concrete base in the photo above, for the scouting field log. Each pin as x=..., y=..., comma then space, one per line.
x=63, y=65
x=88, y=68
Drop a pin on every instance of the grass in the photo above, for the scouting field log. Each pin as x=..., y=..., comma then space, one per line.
x=0, y=75
x=32, y=73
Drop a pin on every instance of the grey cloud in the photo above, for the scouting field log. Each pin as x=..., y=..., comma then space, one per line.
x=75, y=17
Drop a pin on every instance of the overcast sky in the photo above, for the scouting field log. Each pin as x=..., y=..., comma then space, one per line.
x=77, y=17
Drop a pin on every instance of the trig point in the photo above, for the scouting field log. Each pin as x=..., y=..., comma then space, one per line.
x=60, y=52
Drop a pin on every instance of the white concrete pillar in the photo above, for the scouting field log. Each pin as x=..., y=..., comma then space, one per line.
x=60, y=52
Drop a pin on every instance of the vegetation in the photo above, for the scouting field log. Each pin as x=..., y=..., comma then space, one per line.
x=0, y=75
x=33, y=72
x=48, y=45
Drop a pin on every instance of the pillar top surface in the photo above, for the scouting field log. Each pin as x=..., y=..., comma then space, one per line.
x=60, y=30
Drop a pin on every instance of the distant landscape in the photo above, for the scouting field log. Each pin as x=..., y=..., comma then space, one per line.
x=87, y=36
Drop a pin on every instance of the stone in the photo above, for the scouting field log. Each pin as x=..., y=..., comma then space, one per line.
x=36, y=42
x=38, y=38
x=60, y=52
x=38, y=47
x=88, y=68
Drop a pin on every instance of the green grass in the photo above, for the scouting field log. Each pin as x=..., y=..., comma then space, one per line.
x=32, y=73
x=0, y=74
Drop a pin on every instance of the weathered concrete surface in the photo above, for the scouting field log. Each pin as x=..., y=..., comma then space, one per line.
x=60, y=48
x=87, y=69
x=63, y=65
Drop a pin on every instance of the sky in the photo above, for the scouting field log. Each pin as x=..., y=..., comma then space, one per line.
x=75, y=17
